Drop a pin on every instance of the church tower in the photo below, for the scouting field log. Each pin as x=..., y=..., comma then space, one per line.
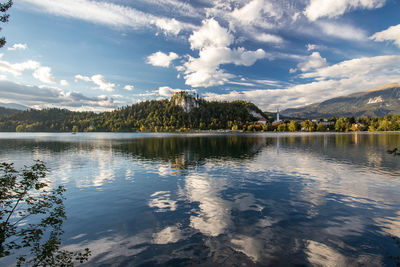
x=277, y=115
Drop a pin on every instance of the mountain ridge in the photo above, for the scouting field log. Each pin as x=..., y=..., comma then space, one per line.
x=377, y=102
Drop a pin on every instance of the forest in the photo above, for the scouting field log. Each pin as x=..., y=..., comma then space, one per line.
x=165, y=116
x=148, y=116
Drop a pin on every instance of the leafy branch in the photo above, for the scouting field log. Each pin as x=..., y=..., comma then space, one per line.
x=31, y=217
x=4, y=18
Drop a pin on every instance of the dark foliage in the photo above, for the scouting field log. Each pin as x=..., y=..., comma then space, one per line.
x=4, y=18
x=31, y=218
x=156, y=115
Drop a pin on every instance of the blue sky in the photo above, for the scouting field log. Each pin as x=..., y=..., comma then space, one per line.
x=99, y=55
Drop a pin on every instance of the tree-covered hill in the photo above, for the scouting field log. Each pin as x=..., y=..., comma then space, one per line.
x=7, y=111
x=155, y=115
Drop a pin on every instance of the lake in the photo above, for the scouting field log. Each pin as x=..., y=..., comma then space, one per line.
x=223, y=199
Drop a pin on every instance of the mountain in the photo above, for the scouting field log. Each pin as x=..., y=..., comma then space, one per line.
x=7, y=111
x=14, y=106
x=376, y=102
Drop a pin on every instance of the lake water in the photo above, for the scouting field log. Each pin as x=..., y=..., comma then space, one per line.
x=223, y=200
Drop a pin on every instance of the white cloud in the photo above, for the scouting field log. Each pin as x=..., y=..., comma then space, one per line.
x=390, y=34
x=211, y=34
x=342, y=31
x=340, y=79
x=332, y=8
x=247, y=13
x=129, y=87
x=213, y=43
x=314, y=61
x=106, y=13
x=98, y=80
x=170, y=26
x=161, y=60
x=102, y=83
x=258, y=13
x=40, y=73
x=359, y=66
x=43, y=74
x=18, y=47
x=17, y=69
x=82, y=78
x=267, y=38
x=311, y=47
x=64, y=83
x=167, y=91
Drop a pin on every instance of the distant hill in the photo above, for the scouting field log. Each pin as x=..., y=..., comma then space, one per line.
x=8, y=111
x=183, y=111
x=376, y=102
x=14, y=106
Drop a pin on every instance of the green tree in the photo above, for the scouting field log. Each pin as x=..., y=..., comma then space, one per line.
x=282, y=127
x=31, y=216
x=4, y=18
x=321, y=127
x=293, y=126
x=342, y=125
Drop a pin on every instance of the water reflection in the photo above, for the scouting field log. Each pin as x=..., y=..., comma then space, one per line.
x=319, y=199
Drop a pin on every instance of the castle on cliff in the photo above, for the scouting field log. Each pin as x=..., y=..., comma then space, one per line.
x=186, y=100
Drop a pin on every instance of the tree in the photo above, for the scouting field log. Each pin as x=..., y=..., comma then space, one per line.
x=31, y=216
x=293, y=126
x=321, y=127
x=342, y=125
x=4, y=18
x=282, y=127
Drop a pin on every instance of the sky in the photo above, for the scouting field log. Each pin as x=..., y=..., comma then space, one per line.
x=100, y=55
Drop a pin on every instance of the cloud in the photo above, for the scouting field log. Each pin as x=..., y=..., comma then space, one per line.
x=314, y=61
x=43, y=74
x=359, y=66
x=18, y=47
x=170, y=26
x=332, y=8
x=257, y=14
x=311, y=47
x=340, y=79
x=129, y=87
x=45, y=96
x=106, y=13
x=82, y=78
x=390, y=34
x=253, y=11
x=211, y=34
x=267, y=38
x=213, y=43
x=18, y=68
x=102, y=83
x=40, y=73
x=160, y=59
x=167, y=91
x=342, y=31
x=98, y=80
x=64, y=83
